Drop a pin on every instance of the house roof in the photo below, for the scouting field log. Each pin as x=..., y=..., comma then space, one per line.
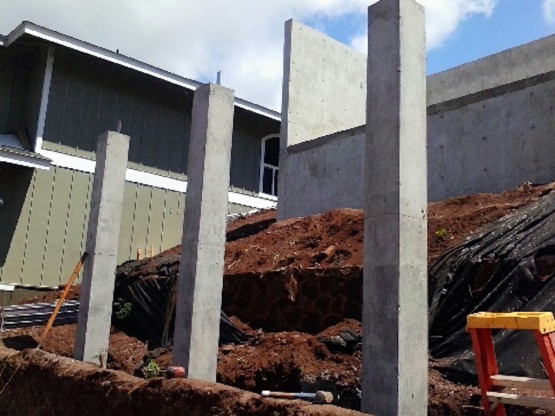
x=12, y=151
x=57, y=38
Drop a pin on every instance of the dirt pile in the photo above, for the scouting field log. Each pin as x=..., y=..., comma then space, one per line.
x=38, y=383
x=295, y=288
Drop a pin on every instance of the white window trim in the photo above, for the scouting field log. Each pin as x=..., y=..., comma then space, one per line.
x=266, y=165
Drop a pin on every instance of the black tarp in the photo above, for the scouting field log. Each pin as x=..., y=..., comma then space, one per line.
x=151, y=300
x=508, y=266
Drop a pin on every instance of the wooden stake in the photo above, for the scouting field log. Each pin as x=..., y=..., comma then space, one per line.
x=62, y=298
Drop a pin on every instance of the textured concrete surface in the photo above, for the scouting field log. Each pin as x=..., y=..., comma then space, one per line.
x=494, y=144
x=479, y=140
x=503, y=68
x=324, y=92
x=97, y=288
x=322, y=173
x=395, y=309
x=200, y=281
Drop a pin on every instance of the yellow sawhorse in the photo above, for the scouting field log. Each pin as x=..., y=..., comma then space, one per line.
x=542, y=324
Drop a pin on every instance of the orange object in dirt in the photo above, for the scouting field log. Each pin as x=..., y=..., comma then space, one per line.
x=67, y=288
x=175, y=372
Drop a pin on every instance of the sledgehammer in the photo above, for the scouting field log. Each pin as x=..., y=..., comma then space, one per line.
x=320, y=397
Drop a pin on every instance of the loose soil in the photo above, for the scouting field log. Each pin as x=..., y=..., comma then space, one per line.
x=281, y=285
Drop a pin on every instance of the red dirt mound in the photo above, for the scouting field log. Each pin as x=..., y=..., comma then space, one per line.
x=298, y=269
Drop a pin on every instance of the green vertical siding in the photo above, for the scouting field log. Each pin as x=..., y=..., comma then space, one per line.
x=49, y=221
x=14, y=186
x=45, y=218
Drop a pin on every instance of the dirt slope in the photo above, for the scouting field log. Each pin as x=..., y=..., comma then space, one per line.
x=273, y=266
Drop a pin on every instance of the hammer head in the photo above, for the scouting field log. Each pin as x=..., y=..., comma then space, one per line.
x=323, y=397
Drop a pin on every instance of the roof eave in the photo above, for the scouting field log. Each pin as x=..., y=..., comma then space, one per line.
x=26, y=158
x=31, y=29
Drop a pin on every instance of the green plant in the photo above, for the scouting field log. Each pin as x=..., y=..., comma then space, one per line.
x=122, y=309
x=151, y=369
x=242, y=362
x=441, y=232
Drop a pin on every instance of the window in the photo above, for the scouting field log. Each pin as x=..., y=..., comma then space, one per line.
x=269, y=165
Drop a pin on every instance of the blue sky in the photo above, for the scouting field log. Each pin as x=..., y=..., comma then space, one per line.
x=511, y=23
x=244, y=38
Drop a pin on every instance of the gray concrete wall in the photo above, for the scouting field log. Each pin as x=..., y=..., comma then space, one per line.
x=324, y=172
x=324, y=85
x=494, y=144
x=497, y=70
x=324, y=92
x=491, y=127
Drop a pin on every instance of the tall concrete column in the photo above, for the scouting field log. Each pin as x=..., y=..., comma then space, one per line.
x=395, y=319
x=200, y=281
x=97, y=289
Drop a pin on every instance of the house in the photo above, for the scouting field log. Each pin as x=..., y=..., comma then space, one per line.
x=57, y=94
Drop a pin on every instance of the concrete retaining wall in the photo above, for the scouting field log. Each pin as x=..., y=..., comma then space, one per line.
x=325, y=174
x=491, y=127
x=324, y=91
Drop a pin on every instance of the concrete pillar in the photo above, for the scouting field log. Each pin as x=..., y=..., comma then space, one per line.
x=97, y=289
x=200, y=281
x=395, y=319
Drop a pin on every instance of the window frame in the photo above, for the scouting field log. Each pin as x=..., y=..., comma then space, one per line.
x=263, y=164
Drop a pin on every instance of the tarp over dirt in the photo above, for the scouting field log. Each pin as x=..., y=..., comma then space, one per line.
x=509, y=266
x=145, y=306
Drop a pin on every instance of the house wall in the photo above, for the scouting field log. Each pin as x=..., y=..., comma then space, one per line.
x=44, y=219
x=88, y=96
x=490, y=128
x=21, y=75
x=43, y=223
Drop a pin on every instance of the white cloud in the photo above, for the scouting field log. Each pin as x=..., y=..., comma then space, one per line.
x=549, y=11
x=195, y=39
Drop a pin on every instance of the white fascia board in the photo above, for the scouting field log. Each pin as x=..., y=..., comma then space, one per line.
x=31, y=29
x=21, y=160
x=250, y=201
x=149, y=179
x=258, y=109
x=156, y=181
x=67, y=161
x=107, y=55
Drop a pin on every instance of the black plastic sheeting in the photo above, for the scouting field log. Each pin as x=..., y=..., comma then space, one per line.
x=151, y=308
x=509, y=266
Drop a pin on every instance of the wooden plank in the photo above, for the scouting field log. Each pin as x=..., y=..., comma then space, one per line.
x=537, y=321
x=521, y=382
x=520, y=400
